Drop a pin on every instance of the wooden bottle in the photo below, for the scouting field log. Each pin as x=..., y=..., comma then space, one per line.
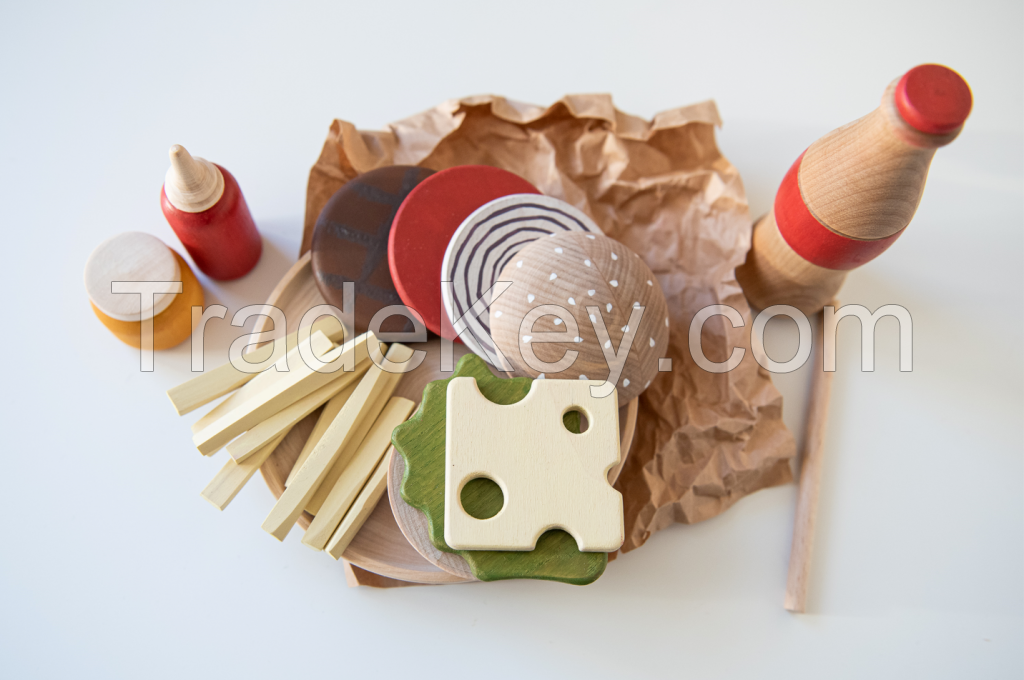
x=204, y=205
x=135, y=256
x=853, y=192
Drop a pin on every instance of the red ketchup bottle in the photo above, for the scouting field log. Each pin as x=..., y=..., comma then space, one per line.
x=206, y=209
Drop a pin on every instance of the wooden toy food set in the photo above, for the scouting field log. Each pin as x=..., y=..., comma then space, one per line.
x=565, y=251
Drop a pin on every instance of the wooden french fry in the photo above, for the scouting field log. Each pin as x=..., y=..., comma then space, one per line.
x=342, y=494
x=341, y=431
x=254, y=386
x=358, y=435
x=360, y=510
x=327, y=416
x=261, y=434
x=285, y=390
x=217, y=382
x=233, y=476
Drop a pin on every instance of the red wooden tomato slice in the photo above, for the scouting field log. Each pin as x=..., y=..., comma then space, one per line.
x=424, y=224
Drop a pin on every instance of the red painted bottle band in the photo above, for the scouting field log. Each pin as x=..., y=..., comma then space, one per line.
x=222, y=240
x=814, y=241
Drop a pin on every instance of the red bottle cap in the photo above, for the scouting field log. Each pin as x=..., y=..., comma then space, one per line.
x=933, y=99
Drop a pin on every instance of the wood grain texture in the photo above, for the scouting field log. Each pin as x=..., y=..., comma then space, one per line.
x=933, y=99
x=350, y=243
x=283, y=420
x=342, y=494
x=424, y=225
x=600, y=289
x=810, y=477
x=282, y=391
x=380, y=546
x=413, y=522
x=173, y=325
x=341, y=431
x=814, y=241
x=213, y=222
x=360, y=510
x=250, y=389
x=863, y=179
x=216, y=382
x=130, y=256
x=414, y=526
x=549, y=477
x=863, y=182
x=357, y=576
x=484, y=243
x=324, y=419
x=774, y=274
x=359, y=433
x=234, y=475
x=421, y=441
x=192, y=184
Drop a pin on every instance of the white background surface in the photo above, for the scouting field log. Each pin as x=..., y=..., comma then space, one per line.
x=112, y=566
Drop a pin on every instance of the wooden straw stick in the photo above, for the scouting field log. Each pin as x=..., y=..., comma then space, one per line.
x=327, y=416
x=254, y=439
x=295, y=497
x=254, y=386
x=233, y=476
x=354, y=475
x=810, y=477
x=217, y=382
x=299, y=381
x=360, y=510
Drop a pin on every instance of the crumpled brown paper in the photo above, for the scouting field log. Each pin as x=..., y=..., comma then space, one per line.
x=661, y=187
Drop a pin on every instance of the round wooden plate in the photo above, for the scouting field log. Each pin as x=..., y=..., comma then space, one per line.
x=380, y=546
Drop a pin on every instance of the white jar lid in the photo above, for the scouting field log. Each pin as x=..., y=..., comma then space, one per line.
x=131, y=256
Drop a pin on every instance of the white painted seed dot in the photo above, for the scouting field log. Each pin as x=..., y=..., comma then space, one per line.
x=607, y=343
x=614, y=256
x=583, y=377
x=519, y=264
x=652, y=342
x=593, y=318
x=615, y=283
x=591, y=293
x=636, y=303
x=527, y=338
x=530, y=297
x=586, y=262
x=572, y=301
x=558, y=322
x=577, y=339
x=591, y=237
x=649, y=282
x=625, y=382
x=625, y=329
x=497, y=314
x=540, y=377
x=553, y=276
x=558, y=250
x=609, y=307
